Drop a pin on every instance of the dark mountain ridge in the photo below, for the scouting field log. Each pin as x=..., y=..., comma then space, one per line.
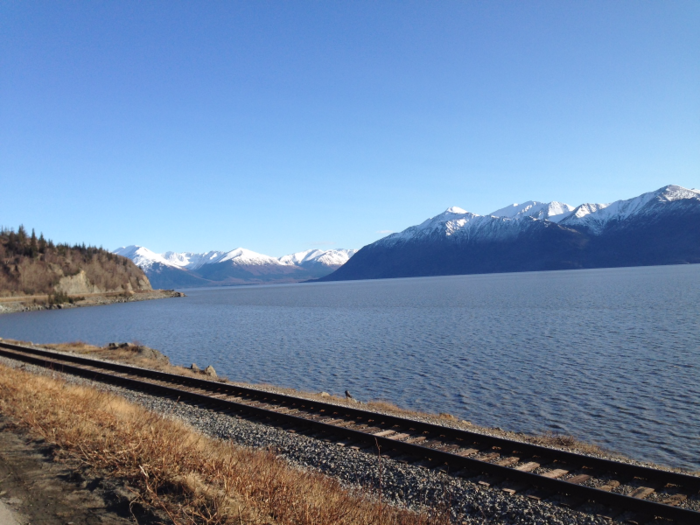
x=657, y=228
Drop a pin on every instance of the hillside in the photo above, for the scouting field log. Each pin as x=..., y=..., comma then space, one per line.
x=655, y=228
x=31, y=265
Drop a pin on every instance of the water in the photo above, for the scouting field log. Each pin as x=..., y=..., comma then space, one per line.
x=610, y=356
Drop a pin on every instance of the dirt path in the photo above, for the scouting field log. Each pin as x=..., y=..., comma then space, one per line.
x=39, y=491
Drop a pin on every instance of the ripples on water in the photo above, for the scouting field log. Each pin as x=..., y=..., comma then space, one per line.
x=610, y=356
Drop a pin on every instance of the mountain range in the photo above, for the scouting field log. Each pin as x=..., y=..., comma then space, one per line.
x=239, y=266
x=660, y=227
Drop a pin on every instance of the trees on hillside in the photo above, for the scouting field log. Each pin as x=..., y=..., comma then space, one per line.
x=34, y=265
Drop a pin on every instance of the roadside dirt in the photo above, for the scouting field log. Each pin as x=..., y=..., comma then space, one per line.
x=39, y=490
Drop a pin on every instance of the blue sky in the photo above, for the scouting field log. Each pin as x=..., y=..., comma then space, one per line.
x=284, y=126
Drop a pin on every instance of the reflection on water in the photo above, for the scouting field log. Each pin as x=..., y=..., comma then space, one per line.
x=611, y=356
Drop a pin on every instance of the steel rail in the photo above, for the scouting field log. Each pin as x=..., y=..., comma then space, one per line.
x=57, y=361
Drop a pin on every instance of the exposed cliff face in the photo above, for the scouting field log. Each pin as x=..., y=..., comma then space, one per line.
x=80, y=284
x=76, y=284
x=31, y=266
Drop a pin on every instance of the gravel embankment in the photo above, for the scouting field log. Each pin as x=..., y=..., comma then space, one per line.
x=577, y=447
x=401, y=484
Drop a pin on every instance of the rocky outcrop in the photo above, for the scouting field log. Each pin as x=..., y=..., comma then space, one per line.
x=78, y=284
x=142, y=351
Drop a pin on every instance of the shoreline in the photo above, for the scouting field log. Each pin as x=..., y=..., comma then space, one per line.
x=134, y=354
x=35, y=303
x=394, y=483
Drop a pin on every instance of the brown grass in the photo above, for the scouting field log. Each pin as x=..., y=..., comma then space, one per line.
x=189, y=477
x=128, y=355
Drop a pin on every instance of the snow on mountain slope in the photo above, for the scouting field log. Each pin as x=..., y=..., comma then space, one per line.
x=334, y=258
x=508, y=222
x=239, y=256
x=192, y=261
x=451, y=220
x=234, y=267
x=458, y=224
x=242, y=256
x=673, y=192
x=552, y=211
x=330, y=258
x=596, y=217
x=301, y=257
x=247, y=257
x=142, y=257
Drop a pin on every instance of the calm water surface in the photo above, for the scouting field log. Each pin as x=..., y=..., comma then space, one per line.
x=610, y=356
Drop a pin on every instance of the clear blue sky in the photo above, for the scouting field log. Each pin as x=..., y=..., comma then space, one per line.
x=283, y=126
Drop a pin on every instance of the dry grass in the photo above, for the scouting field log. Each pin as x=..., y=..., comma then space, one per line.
x=128, y=355
x=187, y=476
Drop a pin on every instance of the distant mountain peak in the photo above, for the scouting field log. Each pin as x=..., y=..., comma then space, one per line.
x=142, y=256
x=552, y=211
x=673, y=192
x=237, y=266
x=331, y=258
x=245, y=256
x=596, y=217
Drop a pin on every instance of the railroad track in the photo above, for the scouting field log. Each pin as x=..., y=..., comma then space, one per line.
x=592, y=484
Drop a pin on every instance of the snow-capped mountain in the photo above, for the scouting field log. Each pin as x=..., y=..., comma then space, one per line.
x=158, y=269
x=191, y=261
x=512, y=220
x=309, y=258
x=458, y=224
x=239, y=266
x=142, y=257
x=552, y=211
x=660, y=227
x=239, y=256
x=597, y=217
